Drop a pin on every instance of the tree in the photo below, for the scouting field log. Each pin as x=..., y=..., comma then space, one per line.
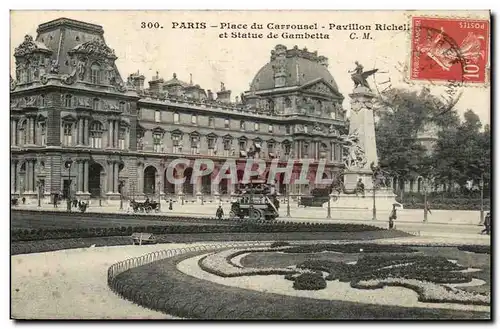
x=403, y=115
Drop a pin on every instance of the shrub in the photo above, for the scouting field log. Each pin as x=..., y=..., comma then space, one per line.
x=280, y=244
x=476, y=249
x=309, y=281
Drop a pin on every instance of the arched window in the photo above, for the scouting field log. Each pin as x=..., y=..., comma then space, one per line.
x=67, y=134
x=96, y=131
x=68, y=101
x=96, y=104
x=95, y=74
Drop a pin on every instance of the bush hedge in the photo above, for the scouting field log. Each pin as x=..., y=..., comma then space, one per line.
x=246, y=227
x=278, y=244
x=478, y=249
x=309, y=281
x=348, y=248
x=449, y=206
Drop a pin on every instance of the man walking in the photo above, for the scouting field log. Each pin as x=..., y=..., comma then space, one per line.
x=428, y=207
x=219, y=213
x=392, y=217
x=487, y=224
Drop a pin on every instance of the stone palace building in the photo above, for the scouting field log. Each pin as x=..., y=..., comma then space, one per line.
x=77, y=127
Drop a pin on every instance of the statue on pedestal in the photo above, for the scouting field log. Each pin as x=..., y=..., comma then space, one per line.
x=354, y=154
x=359, y=77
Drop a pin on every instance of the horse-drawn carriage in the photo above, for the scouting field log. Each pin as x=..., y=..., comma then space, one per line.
x=146, y=206
x=256, y=201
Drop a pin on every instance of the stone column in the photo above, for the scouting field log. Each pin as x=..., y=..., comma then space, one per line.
x=86, y=176
x=13, y=176
x=110, y=134
x=140, y=179
x=116, y=128
x=115, y=178
x=85, y=131
x=110, y=176
x=33, y=131
x=32, y=176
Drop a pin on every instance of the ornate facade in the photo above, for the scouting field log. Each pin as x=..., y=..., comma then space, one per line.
x=69, y=102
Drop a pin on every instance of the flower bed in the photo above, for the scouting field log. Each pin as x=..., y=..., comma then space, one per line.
x=279, y=227
x=309, y=281
x=476, y=249
x=348, y=248
x=219, y=263
x=428, y=292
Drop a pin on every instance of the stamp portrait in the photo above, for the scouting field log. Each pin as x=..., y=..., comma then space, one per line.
x=449, y=49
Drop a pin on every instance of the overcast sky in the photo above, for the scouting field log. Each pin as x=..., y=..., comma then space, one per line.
x=235, y=62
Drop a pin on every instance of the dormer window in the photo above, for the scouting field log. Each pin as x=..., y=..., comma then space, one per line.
x=95, y=74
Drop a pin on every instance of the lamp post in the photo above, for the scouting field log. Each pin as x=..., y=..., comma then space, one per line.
x=329, y=212
x=39, y=186
x=481, y=211
x=374, y=209
x=288, y=201
x=424, y=187
x=100, y=195
x=69, y=164
x=120, y=185
x=159, y=194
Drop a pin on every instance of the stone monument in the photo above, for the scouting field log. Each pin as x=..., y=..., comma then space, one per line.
x=360, y=150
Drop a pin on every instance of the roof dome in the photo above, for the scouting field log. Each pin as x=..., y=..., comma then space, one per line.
x=299, y=65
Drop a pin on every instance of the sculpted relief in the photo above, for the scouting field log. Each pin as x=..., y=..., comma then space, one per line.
x=353, y=154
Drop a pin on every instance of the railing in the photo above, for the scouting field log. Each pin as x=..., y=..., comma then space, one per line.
x=125, y=265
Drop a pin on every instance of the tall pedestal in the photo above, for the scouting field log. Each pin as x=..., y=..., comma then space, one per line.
x=362, y=126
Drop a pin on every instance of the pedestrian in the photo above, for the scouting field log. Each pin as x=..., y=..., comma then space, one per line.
x=428, y=207
x=170, y=205
x=392, y=217
x=24, y=200
x=219, y=213
x=55, y=200
x=487, y=224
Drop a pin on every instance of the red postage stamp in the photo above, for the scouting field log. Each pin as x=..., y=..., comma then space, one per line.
x=449, y=49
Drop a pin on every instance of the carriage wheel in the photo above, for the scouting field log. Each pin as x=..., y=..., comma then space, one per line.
x=256, y=214
x=232, y=214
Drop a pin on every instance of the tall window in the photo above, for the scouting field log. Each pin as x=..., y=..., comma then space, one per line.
x=42, y=101
x=211, y=145
x=287, y=148
x=176, y=142
x=288, y=130
x=43, y=133
x=96, y=132
x=195, y=143
x=95, y=74
x=305, y=153
x=226, y=123
x=67, y=134
x=121, y=106
x=242, y=125
x=270, y=147
x=256, y=126
x=243, y=145
x=157, y=141
x=96, y=104
x=68, y=100
x=157, y=116
x=122, y=134
x=176, y=118
x=227, y=146
x=23, y=131
x=270, y=129
x=306, y=129
x=211, y=121
x=194, y=119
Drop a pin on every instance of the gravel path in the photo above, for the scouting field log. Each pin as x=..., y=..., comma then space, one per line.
x=72, y=284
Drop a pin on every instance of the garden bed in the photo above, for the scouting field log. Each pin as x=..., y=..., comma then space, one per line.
x=173, y=292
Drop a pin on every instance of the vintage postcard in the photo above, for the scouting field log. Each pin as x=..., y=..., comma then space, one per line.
x=250, y=165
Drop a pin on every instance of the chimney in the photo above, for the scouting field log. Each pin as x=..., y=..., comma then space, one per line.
x=137, y=80
x=210, y=95
x=224, y=96
x=156, y=83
